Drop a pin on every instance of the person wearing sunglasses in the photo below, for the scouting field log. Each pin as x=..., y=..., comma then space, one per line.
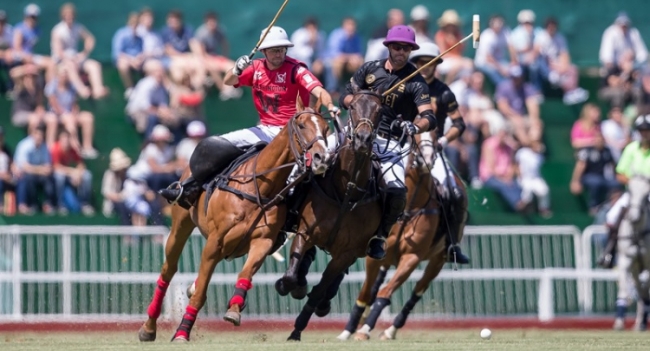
x=401, y=107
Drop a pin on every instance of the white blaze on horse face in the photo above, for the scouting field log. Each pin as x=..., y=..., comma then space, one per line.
x=321, y=142
x=426, y=148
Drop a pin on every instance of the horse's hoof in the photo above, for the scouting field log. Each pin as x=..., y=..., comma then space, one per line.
x=233, y=316
x=191, y=289
x=344, y=336
x=180, y=339
x=146, y=336
x=619, y=324
x=388, y=334
x=360, y=336
x=280, y=288
x=299, y=293
x=323, y=309
x=295, y=336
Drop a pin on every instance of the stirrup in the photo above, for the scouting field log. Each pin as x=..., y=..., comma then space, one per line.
x=179, y=186
x=380, y=237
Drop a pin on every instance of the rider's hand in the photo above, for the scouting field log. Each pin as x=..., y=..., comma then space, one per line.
x=442, y=142
x=334, y=111
x=409, y=128
x=241, y=64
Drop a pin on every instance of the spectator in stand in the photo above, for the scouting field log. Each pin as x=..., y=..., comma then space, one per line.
x=113, y=185
x=555, y=63
x=618, y=81
x=140, y=104
x=587, y=128
x=482, y=115
x=64, y=42
x=448, y=35
x=152, y=45
x=176, y=36
x=615, y=132
x=497, y=168
x=523, y=39
x=7, y=182
x=62, y=99
x=594, y=172
x=519, y=102
x=185, y=105
x=309, y=45
x=25, y=37
x=641, y=95
x=211, y=46
x=529, y=164
x=620, y=44
x=6, y=57
x=492, y=55
x=156, y=163
x=420, y=24
x=27, y=108
x=128, y=52
x=195, y=132
x=376, y=50
x=344, y=53
x=32, y=168
x=70, y=171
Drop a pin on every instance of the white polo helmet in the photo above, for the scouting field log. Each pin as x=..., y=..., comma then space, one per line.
x=426, y=50
x=277, y=37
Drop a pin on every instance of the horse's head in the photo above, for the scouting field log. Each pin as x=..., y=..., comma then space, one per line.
x=639, y=188
x=365, y=110
x=424, y=150
x=309, y=133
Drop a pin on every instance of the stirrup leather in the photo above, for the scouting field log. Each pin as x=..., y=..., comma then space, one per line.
x=179, y=186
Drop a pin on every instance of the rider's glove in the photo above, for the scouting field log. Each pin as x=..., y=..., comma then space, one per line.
x=409, y=128
x=241, y=64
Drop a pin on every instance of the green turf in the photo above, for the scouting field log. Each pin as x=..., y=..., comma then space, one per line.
x=516, y=340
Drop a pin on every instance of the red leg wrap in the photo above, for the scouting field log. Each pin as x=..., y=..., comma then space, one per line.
x=156, y=303
x=239, y=298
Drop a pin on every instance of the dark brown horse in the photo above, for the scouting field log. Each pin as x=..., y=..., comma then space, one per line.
x=416, y=238
x=340, y=213
x=234, y=225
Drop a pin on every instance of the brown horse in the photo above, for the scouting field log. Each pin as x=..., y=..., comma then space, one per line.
x=231, y=222
x=341, y=212
x=417, y=237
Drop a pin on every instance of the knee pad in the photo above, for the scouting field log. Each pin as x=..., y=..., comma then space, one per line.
x=211, y=155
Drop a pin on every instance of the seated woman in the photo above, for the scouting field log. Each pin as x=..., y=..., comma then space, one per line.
x=62, y=98
x=28, y=108
x=586, y=129
x=156, y=164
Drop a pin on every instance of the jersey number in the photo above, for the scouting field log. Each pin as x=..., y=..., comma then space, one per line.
x=269, y=103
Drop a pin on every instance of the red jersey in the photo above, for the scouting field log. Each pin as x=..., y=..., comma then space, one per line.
x=69, y=158
x=275, y=91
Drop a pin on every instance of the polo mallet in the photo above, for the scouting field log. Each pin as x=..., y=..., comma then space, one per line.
x=475, y=35
x=259, y=42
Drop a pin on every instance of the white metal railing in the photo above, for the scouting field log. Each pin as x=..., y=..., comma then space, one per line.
x=66, y=276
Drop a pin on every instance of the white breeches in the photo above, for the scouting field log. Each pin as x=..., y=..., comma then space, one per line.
x=250, y=136
x=535, y=186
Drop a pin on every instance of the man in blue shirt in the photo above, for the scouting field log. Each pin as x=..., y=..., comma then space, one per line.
x=33, y=168
x=128, y=52
x=344, y=53
x=179, y=59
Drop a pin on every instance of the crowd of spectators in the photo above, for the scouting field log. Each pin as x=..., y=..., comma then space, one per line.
x=166, y=74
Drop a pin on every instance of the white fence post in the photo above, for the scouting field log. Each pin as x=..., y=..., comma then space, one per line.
x=66, y=257
x=16, y=272
x=545, y=300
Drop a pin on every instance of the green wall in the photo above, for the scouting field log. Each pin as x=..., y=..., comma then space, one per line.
x=582, y=21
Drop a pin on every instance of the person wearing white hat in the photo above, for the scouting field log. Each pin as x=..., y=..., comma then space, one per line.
x=195, y=132
x=618, y=39
x=446, y=107
x=420, y=24
x=448, y=35
x=277, y=81
x=156, y=163
x=523, y=40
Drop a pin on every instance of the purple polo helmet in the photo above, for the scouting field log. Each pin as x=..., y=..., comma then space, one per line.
x=401, y=34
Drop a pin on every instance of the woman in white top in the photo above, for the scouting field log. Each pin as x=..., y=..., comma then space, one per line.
x=156, y=163
x=64, y=44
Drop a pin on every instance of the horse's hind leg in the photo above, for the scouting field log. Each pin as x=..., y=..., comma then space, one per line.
x=259, y=248
x=406, y=266
x=335, y=267
x=181, y=229
x=375, y=275
x=430, y=273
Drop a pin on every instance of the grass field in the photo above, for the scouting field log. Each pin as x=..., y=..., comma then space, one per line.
x=503, y=340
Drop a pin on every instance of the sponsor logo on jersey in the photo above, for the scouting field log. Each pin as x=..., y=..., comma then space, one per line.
x=281, y=77
x=370, y=78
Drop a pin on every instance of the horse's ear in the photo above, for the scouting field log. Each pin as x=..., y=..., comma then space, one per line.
x=299, y=105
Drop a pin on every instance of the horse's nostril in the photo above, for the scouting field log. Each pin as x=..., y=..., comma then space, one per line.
x=318, y=157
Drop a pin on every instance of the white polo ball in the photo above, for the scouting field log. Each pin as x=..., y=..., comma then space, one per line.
x=486, y=334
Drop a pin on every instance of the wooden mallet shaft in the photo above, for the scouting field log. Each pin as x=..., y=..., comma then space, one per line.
x=259, y=42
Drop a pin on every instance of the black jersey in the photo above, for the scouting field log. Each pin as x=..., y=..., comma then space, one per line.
x=445, y=102
x=403, y=101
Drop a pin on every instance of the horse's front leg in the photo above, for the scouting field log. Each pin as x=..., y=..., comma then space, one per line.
x=430, y=273
x=212, y=254
x=259, y=249
x=180, y=231
x=300, y=260
x=406, y=266
x=334, y=269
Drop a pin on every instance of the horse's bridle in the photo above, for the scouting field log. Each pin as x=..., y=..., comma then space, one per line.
x=303, y=158
x=352, y=129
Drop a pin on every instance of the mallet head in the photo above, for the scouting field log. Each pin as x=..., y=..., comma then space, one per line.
x=476, y=30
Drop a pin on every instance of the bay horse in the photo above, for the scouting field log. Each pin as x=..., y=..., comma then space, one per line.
x=340, y=213
x=419, y=236
x=230, y=219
